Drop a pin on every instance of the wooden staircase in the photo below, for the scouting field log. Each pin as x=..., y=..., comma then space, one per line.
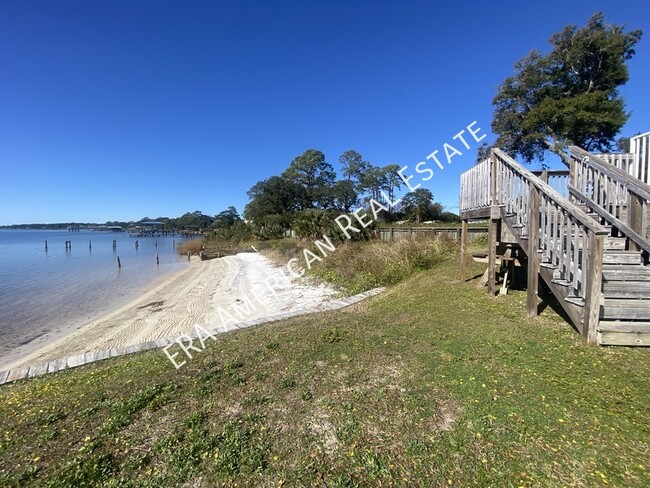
x=589, y=247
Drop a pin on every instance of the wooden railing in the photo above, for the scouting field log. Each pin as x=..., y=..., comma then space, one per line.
x=622, y=161
x=558, y=179
x=567, y=238
x=620, y=199
x=475, y=188
x=635, y=163
x=559, y=234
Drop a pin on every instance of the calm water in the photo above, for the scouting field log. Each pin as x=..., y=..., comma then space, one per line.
x=46, y=294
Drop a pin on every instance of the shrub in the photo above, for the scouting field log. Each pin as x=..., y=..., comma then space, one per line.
x=192, y=246
x=312, y=224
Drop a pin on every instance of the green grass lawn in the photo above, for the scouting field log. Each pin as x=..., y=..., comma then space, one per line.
x=432, y=383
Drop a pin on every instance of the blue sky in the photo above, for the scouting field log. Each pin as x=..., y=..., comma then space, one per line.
x=124, y=109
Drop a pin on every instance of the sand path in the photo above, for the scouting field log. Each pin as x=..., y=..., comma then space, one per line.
x=244, y=287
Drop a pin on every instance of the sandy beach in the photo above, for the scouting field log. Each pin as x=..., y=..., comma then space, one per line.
x=246, y=286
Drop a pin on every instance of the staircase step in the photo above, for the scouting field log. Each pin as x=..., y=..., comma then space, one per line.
x=626, y=289
x=621, y=309
x=626, y=273
x=621, y=257
x=623, y=326
x=623, y=333
x=614, y=243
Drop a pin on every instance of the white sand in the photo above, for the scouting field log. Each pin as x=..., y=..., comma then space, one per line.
x=209, y=293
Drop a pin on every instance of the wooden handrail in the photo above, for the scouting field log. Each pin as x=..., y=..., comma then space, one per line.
x=622, y=226
x=607, y=190
x=551, y=172
x=558, y=199
x=636, y=185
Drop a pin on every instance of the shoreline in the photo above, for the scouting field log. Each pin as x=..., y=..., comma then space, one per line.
x=203, y=293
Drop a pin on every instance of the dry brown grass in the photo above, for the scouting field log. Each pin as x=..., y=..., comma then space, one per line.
x=360, y=266
x=192, y=246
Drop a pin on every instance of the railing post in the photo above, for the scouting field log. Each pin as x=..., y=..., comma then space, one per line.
x=492, y=231
x=593, y=287
x=636, y=215
x=492, y=249
x=493, y=180
x=533, y=250
x=573, y=177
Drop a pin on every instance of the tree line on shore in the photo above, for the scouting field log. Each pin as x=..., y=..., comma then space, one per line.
x=307, y=196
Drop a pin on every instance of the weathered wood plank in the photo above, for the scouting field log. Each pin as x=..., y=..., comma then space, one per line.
x=615, y=338
x=625, y=309
x=626, y=273
x=636, y=215
x=575, y=276
x=463, y=250
x=534, y=255
x=37, y=369
x=622, y=257
x=626, y=289
x=614, y=243
x=130, y=349
x=492, y=257
x=163, y=342
x=17, y=374
x=74, y=361
x=477, y=213
x=101, y=355
x=617, y=326
x=148, y=345
x=57, y=365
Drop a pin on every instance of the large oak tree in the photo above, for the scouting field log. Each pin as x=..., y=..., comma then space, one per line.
x=568, y=96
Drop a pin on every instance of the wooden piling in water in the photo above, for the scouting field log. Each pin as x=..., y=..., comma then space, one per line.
x=90, y=245
x=119, y=263
x=157, y=259
x=45, y=246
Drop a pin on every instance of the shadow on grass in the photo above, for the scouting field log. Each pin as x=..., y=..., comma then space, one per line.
x=549, y=300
